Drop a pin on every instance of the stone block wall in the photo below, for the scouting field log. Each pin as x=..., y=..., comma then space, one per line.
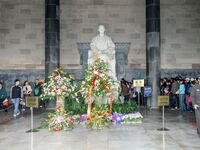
x=180, y=34
x=123, y=19
x=22, y=43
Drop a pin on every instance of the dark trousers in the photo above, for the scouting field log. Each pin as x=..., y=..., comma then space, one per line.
x=173, y=100
x=126, y=98
x=197, y=115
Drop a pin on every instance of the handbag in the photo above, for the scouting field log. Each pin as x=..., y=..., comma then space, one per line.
x=189, y=99
x=5, y=102
x=22, y=102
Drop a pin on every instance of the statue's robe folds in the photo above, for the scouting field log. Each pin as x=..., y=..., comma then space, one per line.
x=104, y=48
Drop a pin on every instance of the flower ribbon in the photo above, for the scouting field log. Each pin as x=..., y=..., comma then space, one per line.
x=90, y=95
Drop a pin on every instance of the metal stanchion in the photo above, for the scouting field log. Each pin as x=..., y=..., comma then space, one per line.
x=32, y=141
x=32, y=128
x=163, y=120
x=138, y=100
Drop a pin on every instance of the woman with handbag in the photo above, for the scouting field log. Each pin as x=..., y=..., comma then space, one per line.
x=27, y=89
x=3, y=97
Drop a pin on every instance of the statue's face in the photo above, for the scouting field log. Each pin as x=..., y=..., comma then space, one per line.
x=101, y=29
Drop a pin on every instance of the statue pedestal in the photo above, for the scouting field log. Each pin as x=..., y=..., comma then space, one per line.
x=121, y=57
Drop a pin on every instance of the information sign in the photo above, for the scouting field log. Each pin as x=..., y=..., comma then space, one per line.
x=163, y=100
x=138, y=83
x=32, y=101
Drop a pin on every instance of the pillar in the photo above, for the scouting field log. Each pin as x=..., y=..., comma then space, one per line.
x=153, y=49
x=52, y=36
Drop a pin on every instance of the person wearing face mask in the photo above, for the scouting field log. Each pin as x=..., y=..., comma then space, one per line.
x=3, y=96
x=16, y=93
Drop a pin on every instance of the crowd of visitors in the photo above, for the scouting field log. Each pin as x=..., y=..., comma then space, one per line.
x=184, y=94
x=179, y=91
x=18, y=95
x=131, y=93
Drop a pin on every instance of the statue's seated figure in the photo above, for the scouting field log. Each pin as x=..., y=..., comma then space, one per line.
x=103, y=47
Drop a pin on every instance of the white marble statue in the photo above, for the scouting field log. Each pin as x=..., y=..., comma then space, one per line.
x=103, y=47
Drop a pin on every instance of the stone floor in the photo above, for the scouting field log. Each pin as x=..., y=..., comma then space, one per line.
x=182, y=135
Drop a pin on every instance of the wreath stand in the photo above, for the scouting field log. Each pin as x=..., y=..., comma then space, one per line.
x=90, y=95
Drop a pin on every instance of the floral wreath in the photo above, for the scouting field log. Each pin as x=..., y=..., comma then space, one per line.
x=60, y=84
x=97, y=82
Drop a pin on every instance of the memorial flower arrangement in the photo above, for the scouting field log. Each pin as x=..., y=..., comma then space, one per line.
x=59, y=120
x=118, y=118
x=80, y=119
x=60, y=84
x=100, y=118
x=132, y=118
x=97, y=74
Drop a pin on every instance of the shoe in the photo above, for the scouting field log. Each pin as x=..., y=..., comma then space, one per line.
x=18, y=113
x=23, y=109
x=176, y=108
x=14, y=115
x=172, y=109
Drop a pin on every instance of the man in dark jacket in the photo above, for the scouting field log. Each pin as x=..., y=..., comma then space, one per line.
x=195, y=95
x=16, y=93
x=174, y=97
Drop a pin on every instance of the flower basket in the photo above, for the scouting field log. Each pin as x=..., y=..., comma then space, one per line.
x=99, y=118
x=59, y=120
x=131, y=118
x=59, y=86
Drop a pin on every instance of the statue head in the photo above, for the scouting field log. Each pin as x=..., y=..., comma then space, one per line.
x=101, y=29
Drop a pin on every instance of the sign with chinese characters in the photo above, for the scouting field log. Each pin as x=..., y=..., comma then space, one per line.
x=163, y=100
x=138, y=83
x=32, y=101
x=147, y=91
